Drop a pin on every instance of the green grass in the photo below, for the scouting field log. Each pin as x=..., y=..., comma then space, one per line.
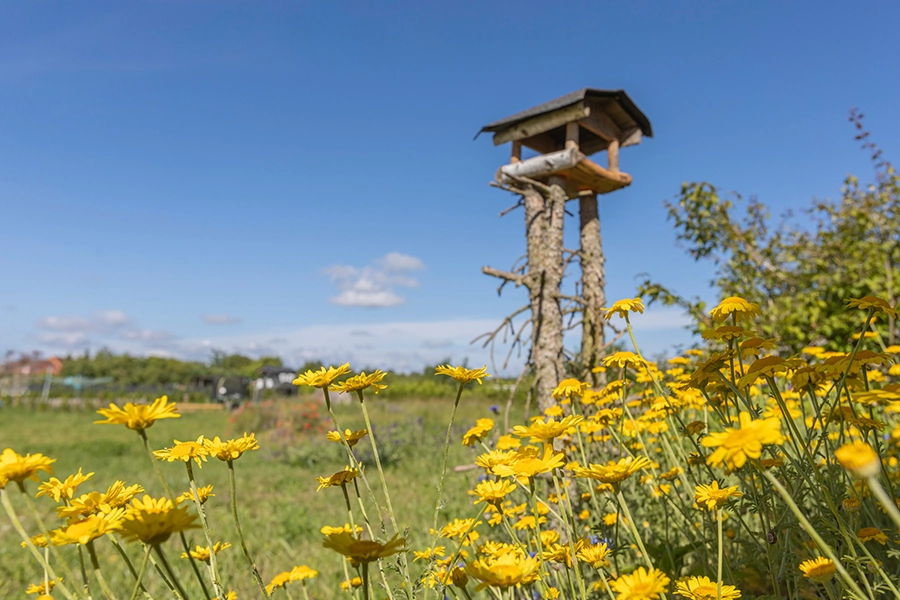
x=281, y=512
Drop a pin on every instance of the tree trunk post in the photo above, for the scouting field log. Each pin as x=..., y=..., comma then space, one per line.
x=593, y=281
x=544, y=215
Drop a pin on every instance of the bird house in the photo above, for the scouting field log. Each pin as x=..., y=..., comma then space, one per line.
x=565, y=132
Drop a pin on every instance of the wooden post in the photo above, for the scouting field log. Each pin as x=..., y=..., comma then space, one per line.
x=516, y=152
x=593, y=275
x=572, y=135
x=612, y=154
x=544, y=217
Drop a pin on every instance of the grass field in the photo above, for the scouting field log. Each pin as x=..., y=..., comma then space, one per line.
x=281, y=511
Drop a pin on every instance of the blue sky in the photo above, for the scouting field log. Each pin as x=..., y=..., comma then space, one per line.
x=181, y=176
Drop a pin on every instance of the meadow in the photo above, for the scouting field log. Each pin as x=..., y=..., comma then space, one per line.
x=726, y=472
x=281, y=510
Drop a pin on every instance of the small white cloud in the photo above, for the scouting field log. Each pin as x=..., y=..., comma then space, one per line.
x=147, y=335
x=64, y=323
x=101, y=320
x=221, y=319
x=374, y=286
x=112, y=318
x=64, y=339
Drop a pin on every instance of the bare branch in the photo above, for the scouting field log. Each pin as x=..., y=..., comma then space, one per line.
x=506, y=275
x=512, y=208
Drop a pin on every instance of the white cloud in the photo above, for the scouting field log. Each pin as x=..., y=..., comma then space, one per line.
x=221, y=319
x=112, y=328
x=374, y=286
x=147, y=335
x=101, y=320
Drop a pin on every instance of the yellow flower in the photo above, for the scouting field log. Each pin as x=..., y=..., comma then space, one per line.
x=715, y=497
x=859, y=458
x=463, y=375
x=363, y=551
x=613, y=471
x=204, y=492
x=641, y=585
x=541, y=430
x=624, y=306
x=624, y=359
x=202, y=553
x=734, y=446
x=39, y=588
x=851, y=504
x=328, y=530
x=184, y=451
x=458, y=528
x=508, y=442
x=231, y=450
x=62, y=490
x=482, y=428
x=323, y=377
x=138, y=416
x=85, y=505
x=153, y=520
x=527, y=463
x=89, y=529
x=361, y=382
x=765, y=366
x=428, y=553
x=278, y=581
x=503, y=570
x=18, y=468
x=867, y=534
x=596, y=555
x=726, y=333
x=492, y=492
x=734, y=305
x=352, y=437
x=570, y=387
x=340, y=478
x=302, y=573
x=820, y=569
x=702, y=588
x=874, y=303
x=352, y=583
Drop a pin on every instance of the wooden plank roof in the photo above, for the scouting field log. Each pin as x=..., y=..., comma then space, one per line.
x=615, y=102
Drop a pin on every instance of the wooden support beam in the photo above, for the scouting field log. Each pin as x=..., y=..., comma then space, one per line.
x=542, y=123
x=612, y=155
x=572, y=135
x=541, y=166
x=598, y=123
x=516, y=152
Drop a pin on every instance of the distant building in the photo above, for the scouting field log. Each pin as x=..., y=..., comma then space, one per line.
x=278, y=379
x=27, y=366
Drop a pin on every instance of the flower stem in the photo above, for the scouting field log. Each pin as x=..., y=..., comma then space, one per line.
x=805, y=524
x=213, y=565
x=437, y=507
x=171, y=580
x=17, y=525
x=387, y=496
x=365, y=578
x=95, y=565
x=184, y=543
x=43, y=529
x=721, y=552
x=140, y=576
x=237, y=524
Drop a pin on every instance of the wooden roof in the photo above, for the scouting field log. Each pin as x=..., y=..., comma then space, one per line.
x=601, y=114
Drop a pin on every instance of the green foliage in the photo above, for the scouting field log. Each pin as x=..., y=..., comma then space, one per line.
x=801, y=274
x=126, y=369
